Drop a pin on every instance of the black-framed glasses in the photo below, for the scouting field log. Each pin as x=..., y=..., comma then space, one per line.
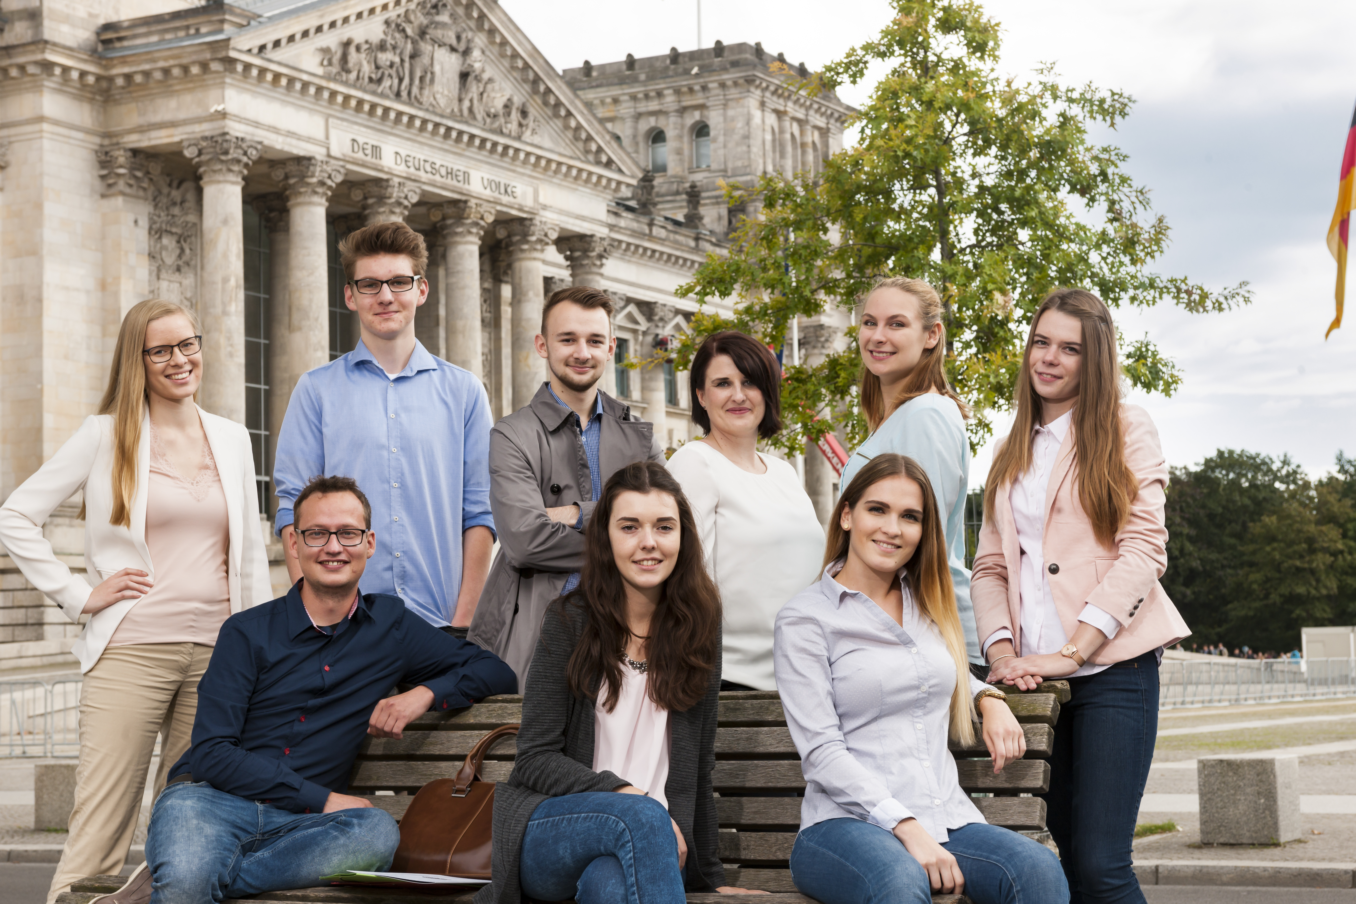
x=162, y=353
x=370, y=286
x=318, y=536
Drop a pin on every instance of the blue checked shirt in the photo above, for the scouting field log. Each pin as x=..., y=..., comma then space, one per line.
x=590, y=437
x=418, y=444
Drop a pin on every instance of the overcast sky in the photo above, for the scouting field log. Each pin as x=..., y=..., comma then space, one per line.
x=1241, y=116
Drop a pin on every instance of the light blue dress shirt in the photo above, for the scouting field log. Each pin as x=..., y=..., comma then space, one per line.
x=868, y=704
x=590, y=436
x=930, y=430
x=418, y=444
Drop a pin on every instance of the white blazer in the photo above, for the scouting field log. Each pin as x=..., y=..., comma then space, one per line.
x=86, y=460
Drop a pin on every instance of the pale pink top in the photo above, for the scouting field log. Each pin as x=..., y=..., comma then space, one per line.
x=188, y=539
x=633, y=740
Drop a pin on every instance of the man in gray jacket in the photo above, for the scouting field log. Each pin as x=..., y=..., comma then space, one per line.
x=548, y=464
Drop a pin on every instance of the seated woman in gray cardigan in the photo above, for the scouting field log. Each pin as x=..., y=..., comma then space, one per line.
x=610, y=795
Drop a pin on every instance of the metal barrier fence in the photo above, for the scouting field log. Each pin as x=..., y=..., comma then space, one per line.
x=1202, y=682
x=41, y=719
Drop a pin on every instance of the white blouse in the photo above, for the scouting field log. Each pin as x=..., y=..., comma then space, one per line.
x=763, y=543
x=633, y=740
x=1042, y=631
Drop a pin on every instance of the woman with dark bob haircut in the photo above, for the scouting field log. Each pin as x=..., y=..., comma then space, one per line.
x=758, y=527
x=610, y=795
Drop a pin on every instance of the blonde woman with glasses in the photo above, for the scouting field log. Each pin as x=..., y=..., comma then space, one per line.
x=173, y=546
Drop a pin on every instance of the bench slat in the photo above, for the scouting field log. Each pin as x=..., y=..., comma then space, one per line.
x=394, y=775
x=1058, y=686
x=1021, y=814
x=1040, y=742
x=1031, y=776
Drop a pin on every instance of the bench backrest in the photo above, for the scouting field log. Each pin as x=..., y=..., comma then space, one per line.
x=757, y=775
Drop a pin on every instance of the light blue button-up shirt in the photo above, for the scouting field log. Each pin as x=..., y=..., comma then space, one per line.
x=930, y=430
x=590, y=436
x=418, y=444
x=868, y=704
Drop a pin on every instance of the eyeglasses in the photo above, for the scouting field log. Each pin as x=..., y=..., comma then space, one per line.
x=318, y=536
x=397, y=284
x=162, y=353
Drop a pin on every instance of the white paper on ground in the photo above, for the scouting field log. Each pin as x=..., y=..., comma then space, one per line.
x=412, y=878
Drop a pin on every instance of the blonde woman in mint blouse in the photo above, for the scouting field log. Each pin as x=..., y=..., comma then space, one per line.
x=913, y=411
x=173, y=546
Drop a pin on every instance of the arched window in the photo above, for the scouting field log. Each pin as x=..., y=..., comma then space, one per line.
x=701, y=146
x=659, y=152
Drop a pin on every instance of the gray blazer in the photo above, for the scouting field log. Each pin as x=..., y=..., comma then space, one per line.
x=537, y=461
x=555, y=758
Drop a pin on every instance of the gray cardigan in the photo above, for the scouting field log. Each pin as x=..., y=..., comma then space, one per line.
x=537, y=461
x=555, y=758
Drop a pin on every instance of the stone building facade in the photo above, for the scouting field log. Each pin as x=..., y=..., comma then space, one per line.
x=214, y=154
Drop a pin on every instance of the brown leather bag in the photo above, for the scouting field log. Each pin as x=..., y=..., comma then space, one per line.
x=446, y=830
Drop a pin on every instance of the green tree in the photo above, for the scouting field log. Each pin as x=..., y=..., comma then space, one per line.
x=991, y=188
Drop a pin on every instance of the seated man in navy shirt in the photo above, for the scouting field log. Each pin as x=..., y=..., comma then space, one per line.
x=258, y=804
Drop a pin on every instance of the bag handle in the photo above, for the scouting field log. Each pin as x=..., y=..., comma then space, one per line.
x=470, y=770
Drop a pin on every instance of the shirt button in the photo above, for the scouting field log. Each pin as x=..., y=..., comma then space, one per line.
x=396, y=485
x=444, y=704
x=303, y=718
x=1054, y=568
x=396, y=518
x=397, y=555
x=918, y=725
x=393, y=448
x=327, y=668
x=927, y=765
x=287, y=751
x=913, y=649
x=936, y=802
x=393, y=415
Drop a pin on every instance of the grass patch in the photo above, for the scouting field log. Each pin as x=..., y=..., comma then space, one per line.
x=62, y=831
x=1145, y=829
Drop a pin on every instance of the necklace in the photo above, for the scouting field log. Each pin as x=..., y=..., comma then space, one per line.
x=643, y=666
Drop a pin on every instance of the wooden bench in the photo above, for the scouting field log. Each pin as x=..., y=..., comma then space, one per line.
x=754, y=753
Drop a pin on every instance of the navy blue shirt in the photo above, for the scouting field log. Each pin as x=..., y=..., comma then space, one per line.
x=283, y=707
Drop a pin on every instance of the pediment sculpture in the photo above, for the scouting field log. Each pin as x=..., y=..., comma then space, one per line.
x=430, y=57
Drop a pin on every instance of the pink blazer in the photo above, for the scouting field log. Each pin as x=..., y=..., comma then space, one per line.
x=1121, y=579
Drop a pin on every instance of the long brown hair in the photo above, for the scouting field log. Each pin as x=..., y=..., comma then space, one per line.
x=125, y=398
x=927, y=573
x=684, y=633
x=929, y=375
x=1106, y=485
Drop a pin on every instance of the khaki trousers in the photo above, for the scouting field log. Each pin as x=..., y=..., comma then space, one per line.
x=133, y=693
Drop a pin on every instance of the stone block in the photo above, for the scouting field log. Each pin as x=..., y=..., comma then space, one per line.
x=1146, y=873
x=1248, y=801
x=1254, y=875
x=53, y=795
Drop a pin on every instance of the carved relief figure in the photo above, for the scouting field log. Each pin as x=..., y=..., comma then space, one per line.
x=429, y=57
x=173, y=235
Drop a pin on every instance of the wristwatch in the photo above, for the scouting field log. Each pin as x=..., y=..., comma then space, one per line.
x=989, y=692
x=1071, y=651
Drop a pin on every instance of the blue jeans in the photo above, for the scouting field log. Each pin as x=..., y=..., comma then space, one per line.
x=204, y=843
x=601, y=847
x=850, y=861
x=1104, y=743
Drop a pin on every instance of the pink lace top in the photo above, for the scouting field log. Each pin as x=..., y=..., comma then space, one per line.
x=188, y=538
x=633, y=740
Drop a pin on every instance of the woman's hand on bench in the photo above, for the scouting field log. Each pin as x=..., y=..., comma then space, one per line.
x=1002, y=733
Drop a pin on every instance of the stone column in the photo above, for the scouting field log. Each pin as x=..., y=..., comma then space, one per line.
x=430, y=327
x=385, y=200
x=652, y=394
x=676, y=135
x=817, y=341
x=126, y=215
x=630, y=121
x=784, y=161
x=807, y=161
x=222, y=160
x=272, y=209
x=307, y=184
x=587, y=255
x=716, y=105
x=460, y=225
x=526, y=240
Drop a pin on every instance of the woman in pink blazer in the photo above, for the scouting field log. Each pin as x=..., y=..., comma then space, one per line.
x=1066, y=585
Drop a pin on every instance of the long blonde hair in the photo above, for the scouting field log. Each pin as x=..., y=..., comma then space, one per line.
x=125, y=399
x=1106, y=485
x=927, y=573
x=929, y=375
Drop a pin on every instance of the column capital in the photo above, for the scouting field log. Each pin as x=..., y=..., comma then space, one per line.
x=308, y=180
x=222, y=157
x=272, y=208
x=462, y=222
x=526, y=236
x=124, y=171
x=385, y=200
x=585, y=252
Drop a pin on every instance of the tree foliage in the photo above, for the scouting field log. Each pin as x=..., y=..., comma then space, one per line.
x=989, y=187
x=1257, y=551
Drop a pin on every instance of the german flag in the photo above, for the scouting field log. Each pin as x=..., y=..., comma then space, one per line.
x=1340, y=229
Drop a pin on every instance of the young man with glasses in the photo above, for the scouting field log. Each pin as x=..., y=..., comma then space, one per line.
x=258, y=802
x=549, y=462
x=411, y=428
